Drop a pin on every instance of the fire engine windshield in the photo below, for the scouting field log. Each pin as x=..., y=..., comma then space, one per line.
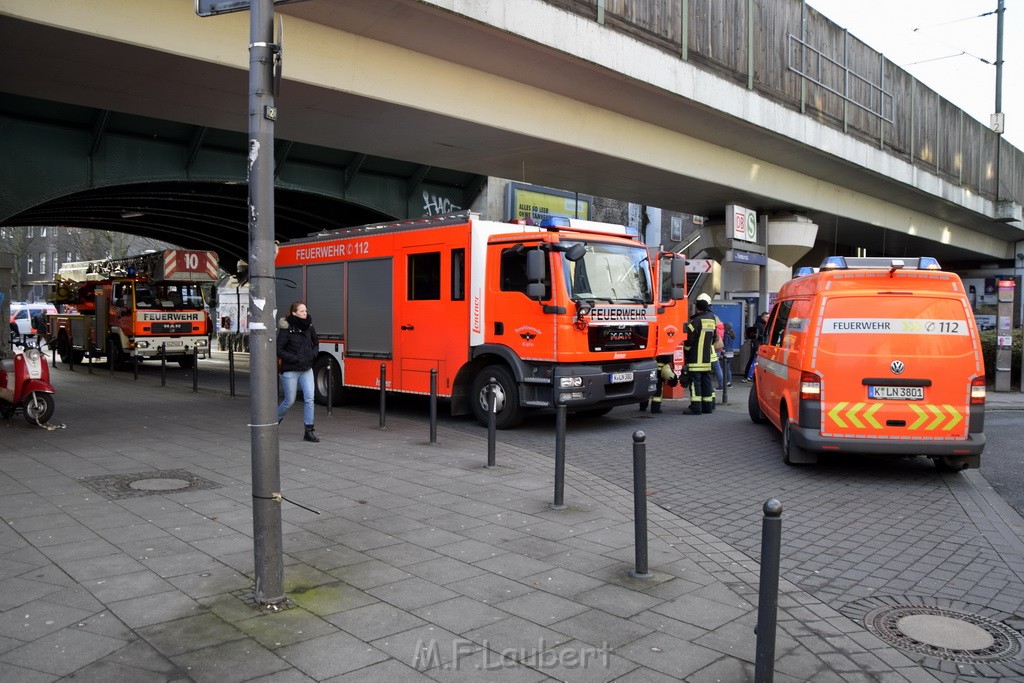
x=177, y=295
x=610, y=273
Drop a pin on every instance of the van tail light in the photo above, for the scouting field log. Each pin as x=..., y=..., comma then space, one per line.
x=810, y=387
x=978, y=390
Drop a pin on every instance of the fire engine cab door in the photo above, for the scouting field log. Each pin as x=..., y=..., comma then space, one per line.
x=420, y=318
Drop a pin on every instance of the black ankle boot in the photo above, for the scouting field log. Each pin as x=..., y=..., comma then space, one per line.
x=310, y=435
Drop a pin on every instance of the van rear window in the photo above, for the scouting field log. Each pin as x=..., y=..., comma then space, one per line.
x=898, y=323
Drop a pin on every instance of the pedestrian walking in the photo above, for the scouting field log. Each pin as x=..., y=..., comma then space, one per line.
x=698, y=347
x=296, y=350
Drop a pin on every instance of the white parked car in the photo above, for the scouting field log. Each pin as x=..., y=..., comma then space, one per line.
x=22, y=314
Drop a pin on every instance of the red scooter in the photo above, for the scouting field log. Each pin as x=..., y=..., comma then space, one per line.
x=25, y=386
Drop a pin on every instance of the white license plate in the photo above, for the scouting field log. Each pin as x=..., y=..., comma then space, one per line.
x=617, y=377
x=898, y=393
x=175, y=343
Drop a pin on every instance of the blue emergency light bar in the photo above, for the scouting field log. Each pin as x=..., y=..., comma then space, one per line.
x=880, y=262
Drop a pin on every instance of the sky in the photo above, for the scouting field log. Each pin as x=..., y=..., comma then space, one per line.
x=942, y=43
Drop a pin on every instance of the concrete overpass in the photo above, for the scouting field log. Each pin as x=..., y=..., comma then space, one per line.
x=526, y=91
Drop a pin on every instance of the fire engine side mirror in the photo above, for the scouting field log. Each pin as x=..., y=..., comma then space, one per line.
x=535, y=274
x=576, y=252
x=678, y=275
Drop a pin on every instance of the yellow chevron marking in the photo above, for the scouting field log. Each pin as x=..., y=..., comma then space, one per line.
x=912, y=326
x=852, y=415
x=834, y=414
x=869, y=416
x=955, y=415
x=921, y=416
x=939, y=417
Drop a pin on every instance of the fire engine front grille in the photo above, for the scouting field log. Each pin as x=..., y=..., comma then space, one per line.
x=617, y=337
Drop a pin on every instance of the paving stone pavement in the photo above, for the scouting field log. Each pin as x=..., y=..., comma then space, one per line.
x=422, y=564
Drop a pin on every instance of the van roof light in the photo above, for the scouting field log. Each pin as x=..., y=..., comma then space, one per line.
x=928, y=263
x=555, y=222
x=834, y=263
x=804, y=270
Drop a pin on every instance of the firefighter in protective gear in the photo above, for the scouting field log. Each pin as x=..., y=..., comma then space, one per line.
x=699, y=350
x=666, y=374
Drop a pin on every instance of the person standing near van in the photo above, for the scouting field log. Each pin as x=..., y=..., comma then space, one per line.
x=728, y=351
x=756, y=338
x=699, y=348
x=297, y=344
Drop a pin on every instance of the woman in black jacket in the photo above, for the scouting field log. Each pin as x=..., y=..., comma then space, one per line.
x=296, y=350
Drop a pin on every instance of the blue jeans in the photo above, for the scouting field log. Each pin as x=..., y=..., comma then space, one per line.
x=289, y=382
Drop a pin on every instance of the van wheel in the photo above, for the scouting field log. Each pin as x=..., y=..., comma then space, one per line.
x=754, y=407
x=325, y=367
x=949, y=464
x=791, y=453
x=508, y=412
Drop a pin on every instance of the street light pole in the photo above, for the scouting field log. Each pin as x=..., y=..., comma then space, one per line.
x=266, y=465
x=1000, y=11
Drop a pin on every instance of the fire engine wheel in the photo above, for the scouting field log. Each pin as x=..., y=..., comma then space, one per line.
x=38, y=408
x=754, y=406
x=67, y=353
x=325, y=367
x=508, y=412
x=188, y=361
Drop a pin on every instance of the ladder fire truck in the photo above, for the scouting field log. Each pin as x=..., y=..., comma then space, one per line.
x=138, y=306
x=567, y=312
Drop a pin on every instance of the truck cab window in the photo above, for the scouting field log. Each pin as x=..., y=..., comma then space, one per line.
x=513, y=273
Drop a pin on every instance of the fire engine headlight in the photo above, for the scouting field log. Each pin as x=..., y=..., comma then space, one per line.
x=142, y=344
x=569, y=382
x=567, y=396
x=200, y=342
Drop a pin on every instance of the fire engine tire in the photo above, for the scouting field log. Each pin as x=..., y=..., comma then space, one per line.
x=119, y=358
x=791, y=453
x=188, y=361
x=508, y=412
x=64, y=347
x=321, y=366
x=38, y=408
x=754, y=406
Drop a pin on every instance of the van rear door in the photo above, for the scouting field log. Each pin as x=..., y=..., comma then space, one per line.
x=896, y=366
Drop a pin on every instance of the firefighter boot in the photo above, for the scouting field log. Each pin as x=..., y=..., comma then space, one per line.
x=310, y=435
x=656, y=407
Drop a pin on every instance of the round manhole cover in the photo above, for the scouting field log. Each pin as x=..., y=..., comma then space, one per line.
x=944, y=633
x=159, y=484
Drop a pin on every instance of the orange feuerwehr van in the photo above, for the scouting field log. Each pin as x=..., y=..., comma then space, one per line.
x=876, y=356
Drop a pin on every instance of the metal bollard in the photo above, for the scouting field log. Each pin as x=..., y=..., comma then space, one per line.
x=330, y=386
x=491, y=424
x=725, y=392
x=559, y=503
x=433, y=405
x=640, y=505
x=53, y=356
x=163, y=364
x=383, y=383
x=231, y=370
x=195, y=369
x=110, y=355
x=768, y=592
x=135, y=367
